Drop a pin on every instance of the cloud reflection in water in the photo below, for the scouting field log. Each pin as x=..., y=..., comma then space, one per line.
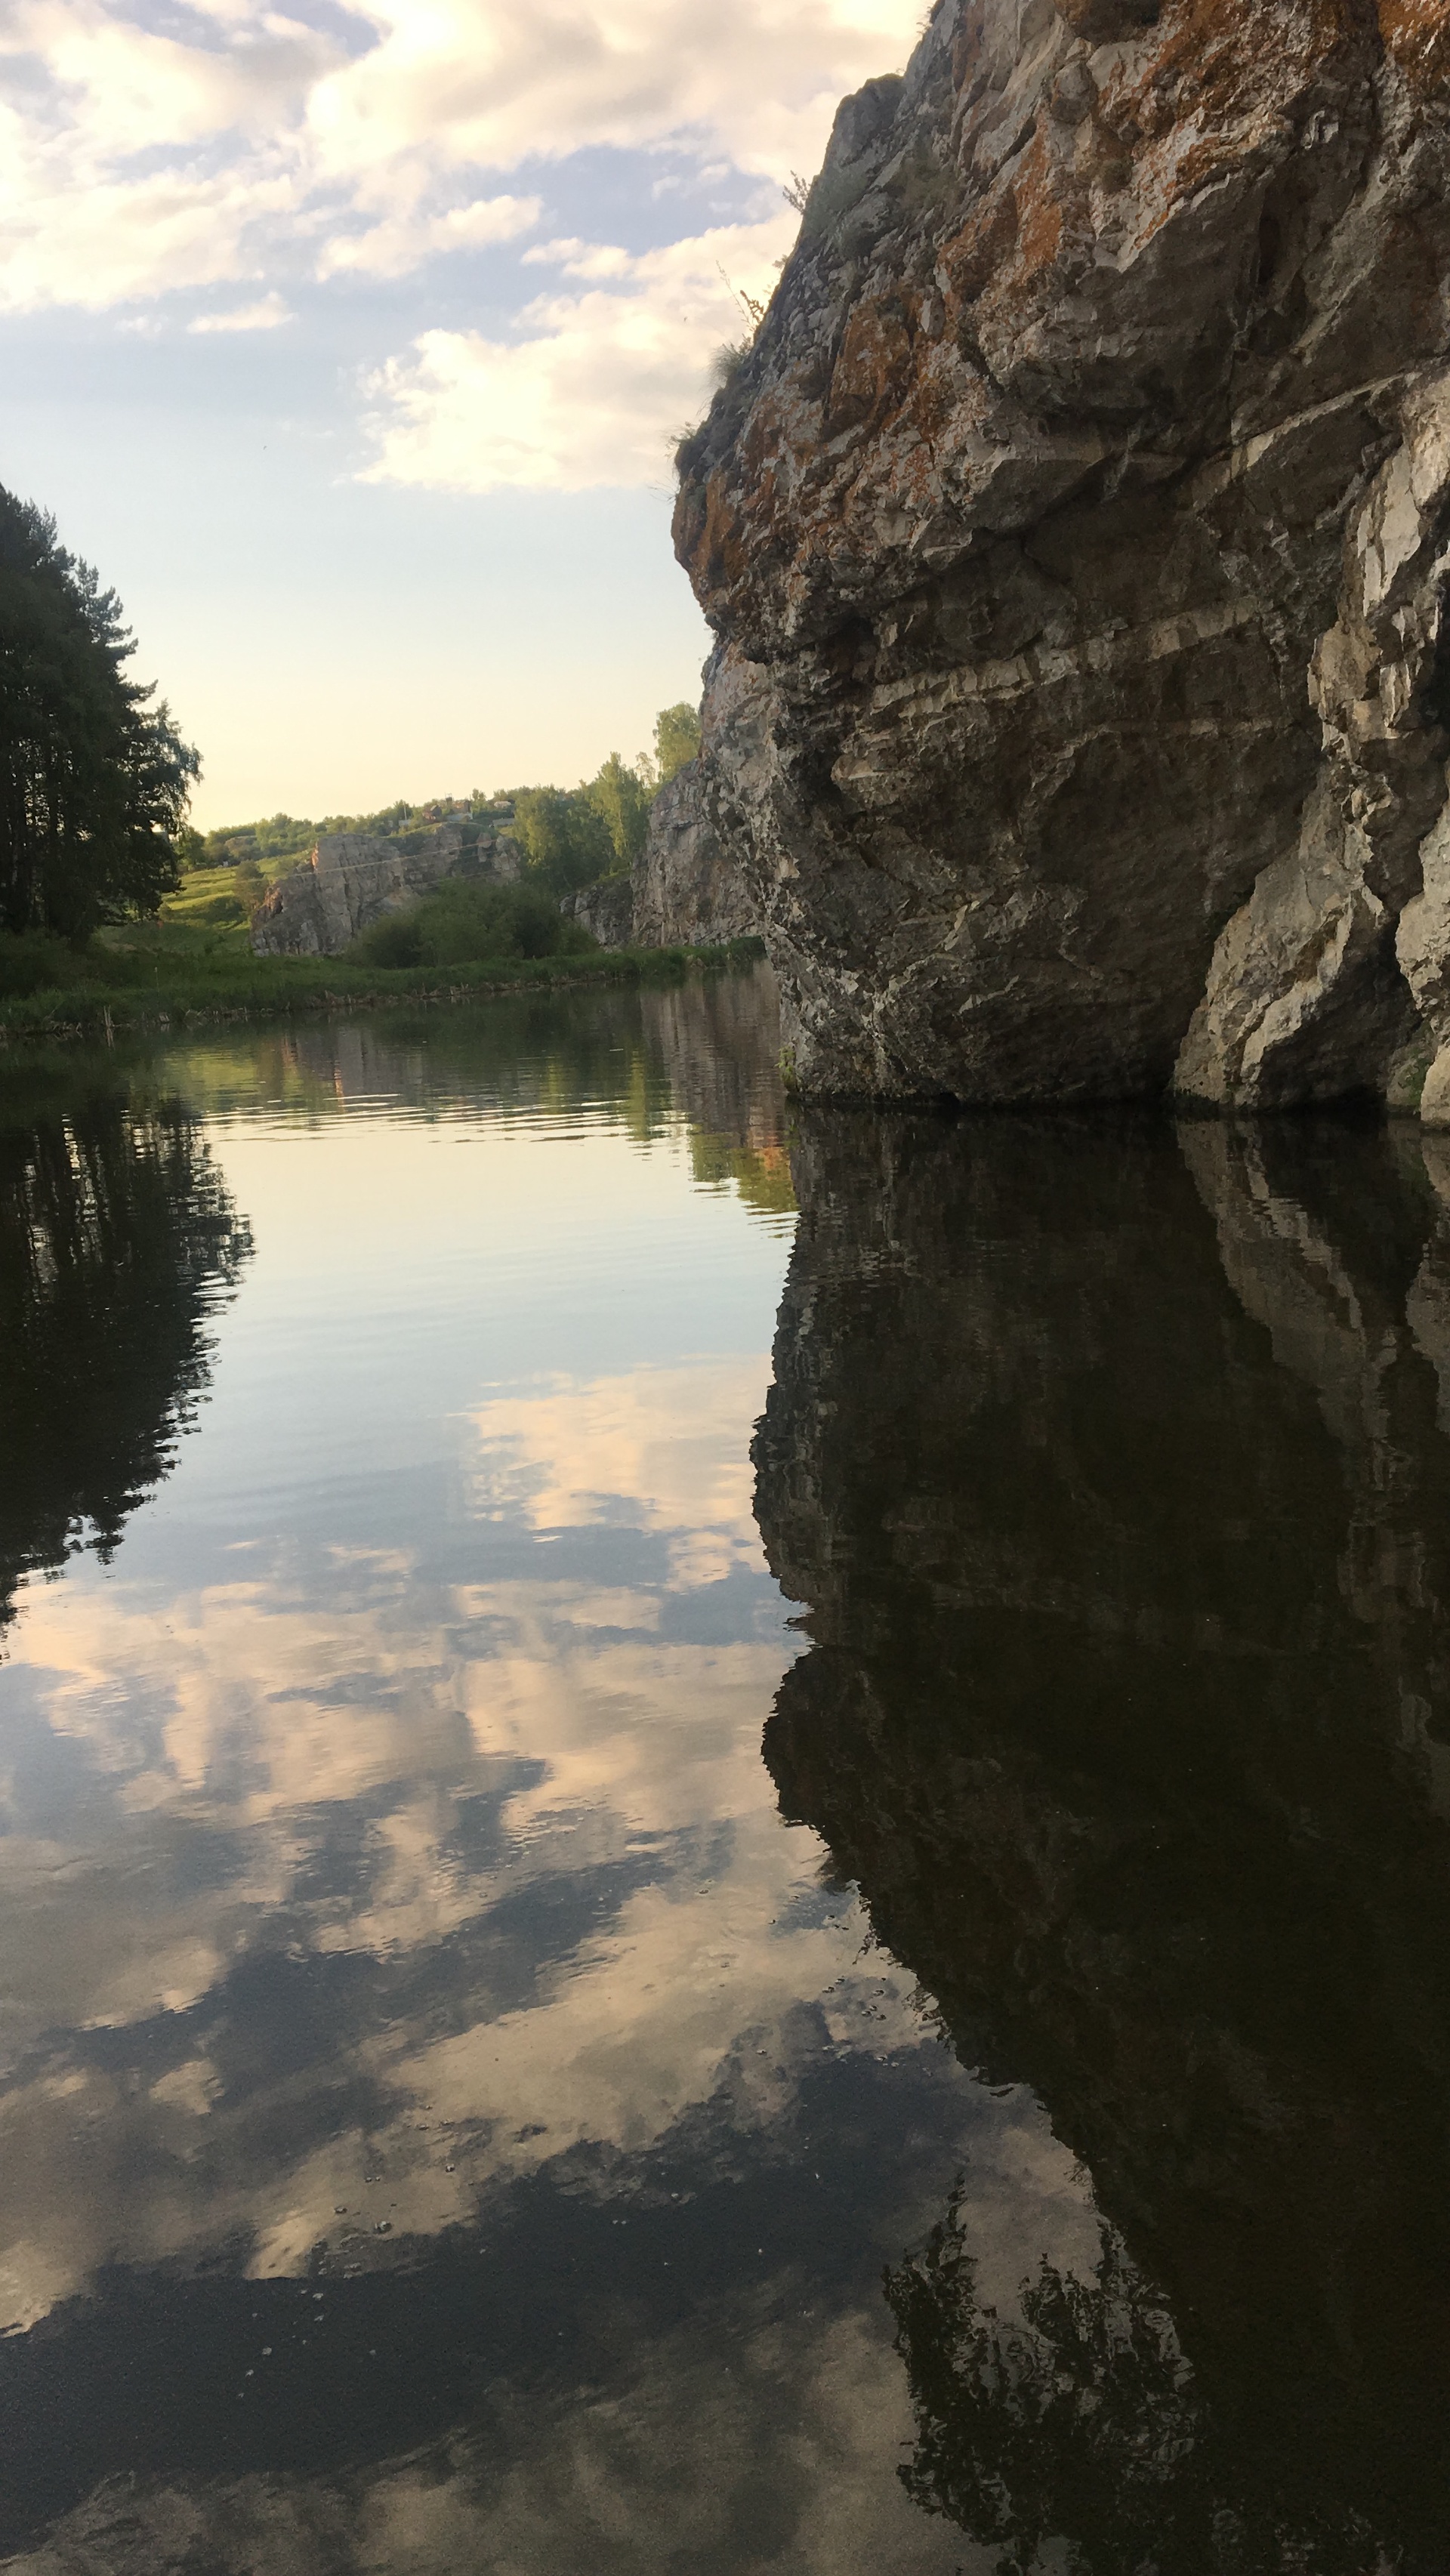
x=448, y=2119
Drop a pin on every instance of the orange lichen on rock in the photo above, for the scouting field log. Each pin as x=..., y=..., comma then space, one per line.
x=872, y=370
x=1417, y=37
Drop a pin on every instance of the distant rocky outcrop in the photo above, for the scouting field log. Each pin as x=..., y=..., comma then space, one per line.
x=1076, y=534
x=689, y=885
x=606, y=910
x=686, y=889
x=353, y=878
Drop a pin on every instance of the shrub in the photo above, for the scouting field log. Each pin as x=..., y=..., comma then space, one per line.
x=32, y=962
x=396, y=940
x=464, y=923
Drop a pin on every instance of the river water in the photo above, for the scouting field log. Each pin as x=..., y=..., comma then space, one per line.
x=723, y=1841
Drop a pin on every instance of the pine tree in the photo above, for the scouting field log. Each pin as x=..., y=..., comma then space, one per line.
x=94, y=779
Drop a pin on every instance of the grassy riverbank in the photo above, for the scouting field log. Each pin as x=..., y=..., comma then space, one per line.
x=185, y=979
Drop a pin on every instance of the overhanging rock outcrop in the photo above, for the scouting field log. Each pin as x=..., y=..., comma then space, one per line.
x=353, y=878
x=1076, y=533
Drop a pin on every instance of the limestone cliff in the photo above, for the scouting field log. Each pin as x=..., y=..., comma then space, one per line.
x=687, y=885
x=353, y=878
x=686, y=888
x=605, y=909
x=1076, y=533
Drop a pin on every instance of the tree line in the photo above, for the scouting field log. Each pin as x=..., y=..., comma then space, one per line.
x=570, y=836
x=95, y=777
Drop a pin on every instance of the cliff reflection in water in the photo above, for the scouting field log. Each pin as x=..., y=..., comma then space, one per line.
x=1110, y=1463
x=117, y=1238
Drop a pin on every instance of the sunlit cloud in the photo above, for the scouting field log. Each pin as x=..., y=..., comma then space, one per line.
x=481, y=83
x=265, y=315
x=394, y=248
x=136, y=164
x=598, y=388
x=107, y=240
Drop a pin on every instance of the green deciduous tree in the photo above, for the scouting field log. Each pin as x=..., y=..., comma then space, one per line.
x=564, y=836
x=677, y=739
x=622, y=798
x=94, y=779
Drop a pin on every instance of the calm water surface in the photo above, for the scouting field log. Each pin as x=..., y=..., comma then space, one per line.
x=720, y=1849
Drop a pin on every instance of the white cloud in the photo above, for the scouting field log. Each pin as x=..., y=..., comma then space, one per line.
x=119, y=241
x=494, y=81
x=393, y=248
x=581, y=258
x=262, y=316
x=272, y=131
x=596, y=391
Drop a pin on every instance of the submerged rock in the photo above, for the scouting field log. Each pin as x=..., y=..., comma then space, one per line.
x=353, y=878
x=1075, y=533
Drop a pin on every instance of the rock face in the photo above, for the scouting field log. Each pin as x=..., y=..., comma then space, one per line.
x=1076, y=534
x=353, y=878
x=606, y=910
x=1108, y=1464
x=689, y=887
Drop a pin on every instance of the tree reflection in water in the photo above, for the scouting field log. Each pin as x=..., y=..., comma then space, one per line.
x=116, y=1240
x=1107, y=1460
x=1078, y=2417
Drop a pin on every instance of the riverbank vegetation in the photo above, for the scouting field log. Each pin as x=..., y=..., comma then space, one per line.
x=165, y=976
x=463, y=919
x=117, y=914
x=569, y=836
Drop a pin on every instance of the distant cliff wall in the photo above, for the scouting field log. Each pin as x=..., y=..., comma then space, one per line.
x=353, y=878
x=1076, y=534
x=687, y=888
x=689, y=885
x=605, y=909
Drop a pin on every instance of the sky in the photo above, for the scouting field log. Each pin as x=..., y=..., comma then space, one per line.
x=352, y=346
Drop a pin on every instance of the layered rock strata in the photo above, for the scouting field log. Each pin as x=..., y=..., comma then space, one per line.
x=1076, y=533
x=353, y=878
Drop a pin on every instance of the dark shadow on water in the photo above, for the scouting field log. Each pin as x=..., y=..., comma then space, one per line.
x=1109, y=1460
